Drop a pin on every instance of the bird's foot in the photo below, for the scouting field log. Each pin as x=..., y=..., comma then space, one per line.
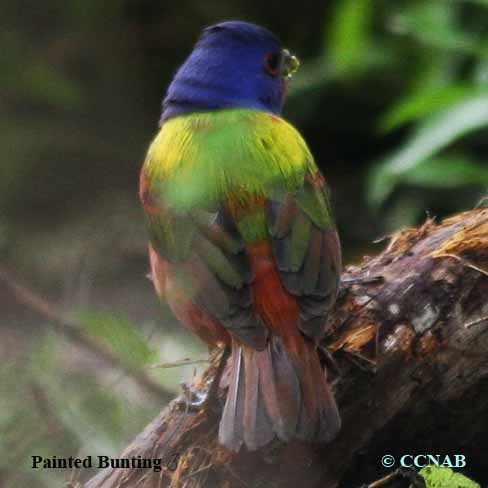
x=197, y=400
x=191, y=401
x=212, y=396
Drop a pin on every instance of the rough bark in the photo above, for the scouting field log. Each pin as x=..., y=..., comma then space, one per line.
x=409, y=337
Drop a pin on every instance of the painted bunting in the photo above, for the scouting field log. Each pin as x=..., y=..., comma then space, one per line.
x=242, y=241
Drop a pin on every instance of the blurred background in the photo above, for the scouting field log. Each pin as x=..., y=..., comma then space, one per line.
x=392, y=98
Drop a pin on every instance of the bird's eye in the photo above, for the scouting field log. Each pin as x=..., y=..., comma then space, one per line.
x=272, y=63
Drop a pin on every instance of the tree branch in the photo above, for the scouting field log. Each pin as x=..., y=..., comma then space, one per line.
x=401, y=317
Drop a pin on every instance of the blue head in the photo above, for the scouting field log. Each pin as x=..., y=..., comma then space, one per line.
x=233, y=64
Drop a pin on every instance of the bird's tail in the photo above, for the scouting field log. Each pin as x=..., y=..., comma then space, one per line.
x=276, y=393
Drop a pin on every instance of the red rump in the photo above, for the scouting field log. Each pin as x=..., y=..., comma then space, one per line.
x=281, y=390
x=272, y=302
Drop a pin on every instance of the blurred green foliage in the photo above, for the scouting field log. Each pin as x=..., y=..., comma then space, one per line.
x=433, y=55
x=60, y=401
x=121, y=335
x=392, y=97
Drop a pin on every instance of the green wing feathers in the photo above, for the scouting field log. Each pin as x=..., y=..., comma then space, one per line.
x=254, y=171
x=307, y=250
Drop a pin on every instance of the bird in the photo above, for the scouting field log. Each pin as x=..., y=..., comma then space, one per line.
x=242, y=240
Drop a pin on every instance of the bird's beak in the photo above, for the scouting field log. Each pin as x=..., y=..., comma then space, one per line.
x=290, y=64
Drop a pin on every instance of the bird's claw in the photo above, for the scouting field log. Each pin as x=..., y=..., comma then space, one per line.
x=192, y=401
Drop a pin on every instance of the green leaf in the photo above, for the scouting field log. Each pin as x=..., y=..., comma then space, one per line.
x=434, y=134
x=480, y=73
x=437, y=477
x=447, y=172
x=348, y=43
x=435, y=25
x=121, y=334
x=423, y=102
